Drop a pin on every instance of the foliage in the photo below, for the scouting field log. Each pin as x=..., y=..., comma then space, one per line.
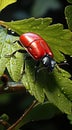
x=68, y=14
x=56, y=87
x=70, y=118
x=57, y=91
x=4, y=3
x=45, y=110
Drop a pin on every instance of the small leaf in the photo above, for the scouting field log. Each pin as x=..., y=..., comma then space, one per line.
x=70, y=1
x=70, y=118
x=4, y=117
x=39, y=112
x=4, y=3
x=68, y=14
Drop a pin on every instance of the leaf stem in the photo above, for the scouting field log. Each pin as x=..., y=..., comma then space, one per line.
x=2, y=23
x=23, y=116
x=4, y=123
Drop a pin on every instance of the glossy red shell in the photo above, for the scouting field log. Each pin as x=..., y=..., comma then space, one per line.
x=35, y=45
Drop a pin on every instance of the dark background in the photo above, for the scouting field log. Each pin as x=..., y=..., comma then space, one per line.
x=24, y=9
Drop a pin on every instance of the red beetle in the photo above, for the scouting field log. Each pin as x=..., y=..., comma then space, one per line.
x=38, y=48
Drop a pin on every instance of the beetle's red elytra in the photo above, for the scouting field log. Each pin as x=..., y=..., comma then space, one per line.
x=35, y=45
x=38, y=49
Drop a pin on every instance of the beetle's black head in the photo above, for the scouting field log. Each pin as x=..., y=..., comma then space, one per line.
x=48, y=62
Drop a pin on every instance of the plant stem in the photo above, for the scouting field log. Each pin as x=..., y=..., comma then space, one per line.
x=11, y=88
x=23, y=116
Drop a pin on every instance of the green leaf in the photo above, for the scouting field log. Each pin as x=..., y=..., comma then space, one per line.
x=70, y=118
x=4, y=3
x=58, y=38
x=68, y=14
x=4, y=117
x=70, y=1
x=39, y=112
x=6, y=47
x=56, y=85
x=15, y=66
x=59, y=90
x=35, y=88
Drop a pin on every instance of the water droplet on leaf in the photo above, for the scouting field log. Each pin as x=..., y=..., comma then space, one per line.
x=58, y=95
x=64, y=92
x=62, y=88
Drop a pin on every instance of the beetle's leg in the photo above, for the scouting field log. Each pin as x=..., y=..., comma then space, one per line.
x=59, y=66
x=12, y=54
x=17, y=41
x=62, y=64
x=23, y=71
x=27, y=57
x=36, y=70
